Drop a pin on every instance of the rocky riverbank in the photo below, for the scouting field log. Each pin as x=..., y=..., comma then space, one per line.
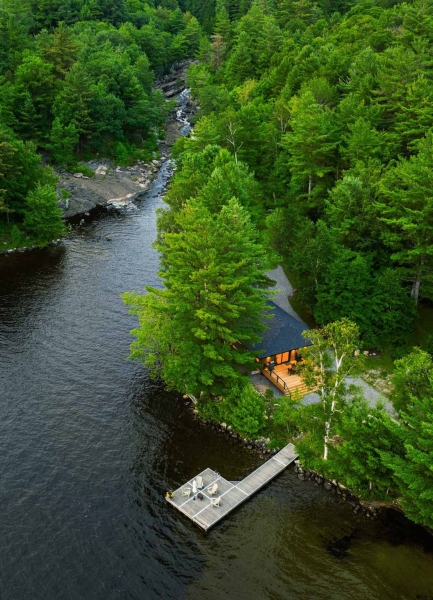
x=116, y=186
x=370, y=510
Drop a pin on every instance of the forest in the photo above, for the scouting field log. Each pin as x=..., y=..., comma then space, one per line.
x=76, y=80
x=312, y=148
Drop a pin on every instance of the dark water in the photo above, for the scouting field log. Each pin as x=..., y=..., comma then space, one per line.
x=89, y=445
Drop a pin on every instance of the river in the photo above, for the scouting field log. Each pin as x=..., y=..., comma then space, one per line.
x=89, y=445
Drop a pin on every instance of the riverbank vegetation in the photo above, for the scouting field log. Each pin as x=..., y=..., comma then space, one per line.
x=76, y=79
x=315, y=121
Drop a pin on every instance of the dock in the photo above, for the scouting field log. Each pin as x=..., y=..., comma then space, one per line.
x=231, y=493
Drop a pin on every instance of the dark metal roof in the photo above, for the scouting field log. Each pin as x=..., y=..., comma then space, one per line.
x=283, y=333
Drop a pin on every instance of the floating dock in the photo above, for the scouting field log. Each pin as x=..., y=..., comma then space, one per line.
x=231, y=493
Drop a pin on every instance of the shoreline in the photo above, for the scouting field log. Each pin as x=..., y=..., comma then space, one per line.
x=370, y=509
x=126, y=184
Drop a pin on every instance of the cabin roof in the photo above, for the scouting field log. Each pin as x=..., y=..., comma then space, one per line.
x=284, y=333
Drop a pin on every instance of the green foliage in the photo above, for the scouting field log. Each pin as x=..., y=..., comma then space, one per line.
x=332, y=113
x=413, y=469
x=20, y=169
x=76, y=78
x=412, y=375
x=311, y=144
x=43, y=218
x=406, y=208
x=80, y=168
x=365, y=432
x=120, y=154
x=333, y=356
x=243, y=409
x=16, y=237
x=64, y=140
x=213, y=271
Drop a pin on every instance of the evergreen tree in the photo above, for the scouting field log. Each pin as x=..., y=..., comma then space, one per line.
x=62, y=51
x=43, y=217
x=406, y=206
x=413, y=470
x=415, y=116
x=365, y=433
x=240, y=65
x=311, y=146
x=213, y=272
x=73, y=104
x=411, y=377
x=63, y=141
x=223, y=26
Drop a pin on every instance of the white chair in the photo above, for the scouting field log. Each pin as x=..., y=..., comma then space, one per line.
x=213, y=490
x=186, y=491
x=215, y=501
x=199, y=481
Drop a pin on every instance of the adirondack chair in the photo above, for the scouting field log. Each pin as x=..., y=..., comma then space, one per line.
x=186, y=491
x=215, y=501
x=199, y=481
x=213, y=490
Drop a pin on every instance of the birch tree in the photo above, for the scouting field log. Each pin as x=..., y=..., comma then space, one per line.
x=333, y=356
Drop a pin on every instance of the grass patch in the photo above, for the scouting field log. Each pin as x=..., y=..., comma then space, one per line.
x=86, y=171
x=384, y=363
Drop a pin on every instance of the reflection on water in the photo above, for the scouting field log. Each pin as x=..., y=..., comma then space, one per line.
x=89, y=445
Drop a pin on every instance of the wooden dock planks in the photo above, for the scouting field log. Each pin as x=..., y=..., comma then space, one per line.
x=231, y=494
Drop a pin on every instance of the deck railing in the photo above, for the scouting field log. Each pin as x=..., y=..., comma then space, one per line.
x=277, y=378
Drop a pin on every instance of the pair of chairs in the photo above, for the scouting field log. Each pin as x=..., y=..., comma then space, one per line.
x=197, y=484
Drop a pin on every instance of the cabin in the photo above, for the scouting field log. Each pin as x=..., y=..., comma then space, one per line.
x=279, y=353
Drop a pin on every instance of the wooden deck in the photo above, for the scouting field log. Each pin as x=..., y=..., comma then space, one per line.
x=288, y=384
x=232, y=493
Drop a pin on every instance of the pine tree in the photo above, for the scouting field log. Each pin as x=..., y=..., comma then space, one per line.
x=213, y=272
x=30, y=122
x=363, y=142
x=61, y=53
x=63, y=141
x=240, y=64
x=43, y=217
x=413, y=471
x=223, y=26
x=415, y=116
x=412, y=376
x=311, y=146
x=365, y=433
x=73, y=104
x=406, y=206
